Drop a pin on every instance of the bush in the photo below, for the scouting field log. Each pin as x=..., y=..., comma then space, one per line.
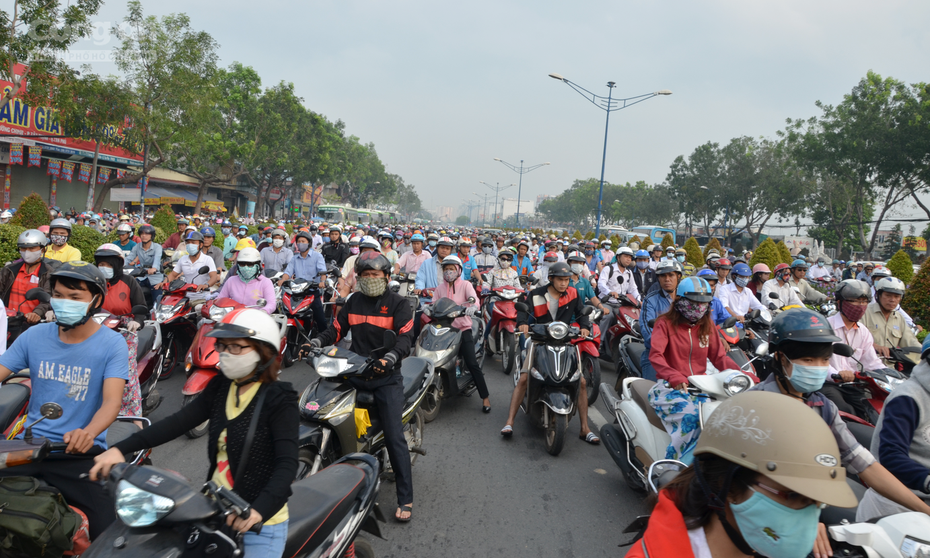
x=32, y=213
x=766, y=253
x=601, y=238
x=87, y=240
x=784, y=254
x=668, y=240
x=8, y=249
x=589, y=235
x=713, y=244
x=901, y=266
x=290, y=229
x=694, y=256
x=164, y=219
x=916, y=301
x=577, y=235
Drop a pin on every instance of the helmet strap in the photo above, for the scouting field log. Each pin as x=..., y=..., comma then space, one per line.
x=716, y=503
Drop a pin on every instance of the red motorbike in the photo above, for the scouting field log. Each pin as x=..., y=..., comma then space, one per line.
x=626, y=323
x=149, y=358
x=502, y=323
x=296, y=298
x=176, y=317
x=202, y=361
x=590, y=356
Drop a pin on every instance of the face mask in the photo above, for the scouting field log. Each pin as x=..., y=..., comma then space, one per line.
x=239, y=366
x=226, y=231
x=681, y=259
x=505, y=262
x=353, y=249
x=192, y=249
x=577, y=269
x=303, y=246
x=741, y=282
x=819, y=264
x=107, y=272
x=808, y=379
x=31, y=256
x=278, y=242
x=486, y=249
x=642, y=265
x=852, y=312
x=783, y=276
x=432, y=243
x=247, y=272
x=69, y=312
x=372, y=286
x=692, y=311
x=58, y=239
x=589, y=252
x=774, y=530
x=450, y=275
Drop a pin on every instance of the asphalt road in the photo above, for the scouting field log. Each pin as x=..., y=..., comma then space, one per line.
x=475, y=493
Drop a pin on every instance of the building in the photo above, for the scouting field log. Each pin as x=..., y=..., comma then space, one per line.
x=444, y=213
x=508, y=208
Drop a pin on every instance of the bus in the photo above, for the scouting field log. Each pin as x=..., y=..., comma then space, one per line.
x=338, y=214
x=365, y=217
x=623, y=234
x=656, y=234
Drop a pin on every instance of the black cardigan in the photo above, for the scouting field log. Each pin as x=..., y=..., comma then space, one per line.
x=272, y=466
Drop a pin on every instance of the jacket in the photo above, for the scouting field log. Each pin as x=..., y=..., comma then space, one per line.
x=123, y=293
x=666, y=534
x=569, y=310
x=9, y=272
x=808, y=293
x=428, y=275
x=338, y=253
x=644, y=280
x=677, y=352
x=459, y=293
x=892, y=332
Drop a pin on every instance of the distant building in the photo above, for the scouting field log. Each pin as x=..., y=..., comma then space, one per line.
x=509, y=208
x=444, y=213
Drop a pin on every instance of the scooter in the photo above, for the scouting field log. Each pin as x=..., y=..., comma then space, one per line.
x=439, y=343
x=502, y=326
x=149, y=358
x=877, y=385
x=202, y=361
x=897, y=359
x=297, y=297
x=160, y=513
x=330, y=405
x=590, y=356
x=625, y=310
x=407, y=282
x=176, y=317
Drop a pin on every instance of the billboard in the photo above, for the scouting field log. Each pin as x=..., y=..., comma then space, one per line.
x=30, y=125
x=916, y=242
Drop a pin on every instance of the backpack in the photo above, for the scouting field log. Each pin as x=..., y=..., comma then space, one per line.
x=35, y=520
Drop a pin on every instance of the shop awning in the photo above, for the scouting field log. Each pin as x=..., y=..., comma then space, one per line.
x=158, y=195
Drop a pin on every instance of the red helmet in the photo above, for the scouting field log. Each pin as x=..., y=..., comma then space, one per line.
x=781, y=266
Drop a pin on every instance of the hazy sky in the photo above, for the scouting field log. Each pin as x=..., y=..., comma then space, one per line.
x=442, y=88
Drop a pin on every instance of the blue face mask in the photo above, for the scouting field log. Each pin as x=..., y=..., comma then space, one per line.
x=741, y=282
x=192, y=249
x=641, y=265
x=808, y=379
x=681, y=259
x=589, y=252
x=69, y=312
x=432, y=243
x=107, y=272
x=302, y=247
x=774, y=530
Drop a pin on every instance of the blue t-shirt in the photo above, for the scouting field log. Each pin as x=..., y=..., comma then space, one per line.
x=71, y=375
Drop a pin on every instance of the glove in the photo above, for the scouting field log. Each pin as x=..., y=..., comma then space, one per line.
x=385, y=365
x=50, y=316
x=133, y=326
x=315, y=343
x=471, y=311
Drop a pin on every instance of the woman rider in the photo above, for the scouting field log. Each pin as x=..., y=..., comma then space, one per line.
x=248, y=285
x=760, y=274
x=248, y=341
x=683, y=340
x=459, y=291
x=755, y=488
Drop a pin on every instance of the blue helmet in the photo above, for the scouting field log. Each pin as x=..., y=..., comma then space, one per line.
x=799, y=263
x=925, y=350
x=696, y=289
x=742, y=270
x=243, y=228
x=641, y=254
x=208, y=231
x=226, y=223
x=710, y=273
x=417, y=238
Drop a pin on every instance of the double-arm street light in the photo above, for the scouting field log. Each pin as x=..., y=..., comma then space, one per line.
x=607, y=104
x=521, y=170
x=497, y=190
x=484, y=214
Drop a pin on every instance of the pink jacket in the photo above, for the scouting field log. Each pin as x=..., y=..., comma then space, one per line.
x=459, y=292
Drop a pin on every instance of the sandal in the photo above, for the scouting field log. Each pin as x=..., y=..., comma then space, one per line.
x=507, y=431
x=406, y=508
x=591, y=438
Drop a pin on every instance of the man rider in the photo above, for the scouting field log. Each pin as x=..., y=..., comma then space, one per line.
x=808, y=294
x=59, y=233
x=883, y=319
x=20, y=276
x=190, y=263
x=522, y=262
x=336, y=250
x=644, y=276
x=147, y=254
x=410, y=261
x=229, y=240
x=484, y=261
x=175, y=239
x=429, y=273
x=736, y=297
x=212, y=251
x=655, y=251
x=819, y=271
x=278, y=256
x=616, y=279
x=837, y=271
x=367, y=317
x=557, y=302
x=866, y=273
x=779, y=285
x=606, y=254
x=656, y=302
x=687, y=268
x=308, y=264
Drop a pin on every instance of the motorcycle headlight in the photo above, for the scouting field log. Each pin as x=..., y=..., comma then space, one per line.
x=536, y=374
x=509, y=294
x=299, y=287
x=163, y=313
x=100, y=317
x=330, y=367
x=557, y=330
x=634, y=325
x=342, y=407
x=217, y=313
x=736, y=383
x=576, y=376
x=765, y=315
x=887, y=383
x=140, y=508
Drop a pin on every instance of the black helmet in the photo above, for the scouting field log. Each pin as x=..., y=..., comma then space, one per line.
x=304, y=235
x=372, y=260
x=82, y=271
x=853, y=289
x=560, y=269
x=147, y=229
x=800, y=325
x=194, y=235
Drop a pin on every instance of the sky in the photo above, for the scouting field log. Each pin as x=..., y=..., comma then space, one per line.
x=442, y=88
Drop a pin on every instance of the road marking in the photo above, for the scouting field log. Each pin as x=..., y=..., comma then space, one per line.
x=596, y=417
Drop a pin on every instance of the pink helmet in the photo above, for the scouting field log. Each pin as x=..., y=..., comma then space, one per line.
x=761, y=268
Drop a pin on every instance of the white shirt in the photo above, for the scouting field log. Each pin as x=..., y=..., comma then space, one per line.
x=818, y=272
x=188, y=269
x=699, y=546
x=786, y=294
x=608, y=283
x=738, y=303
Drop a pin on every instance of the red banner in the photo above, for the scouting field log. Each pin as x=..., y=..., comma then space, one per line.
x=67, y=170
x=16, y=154
x=35, y=156
x=84, y=173
x=54, y=168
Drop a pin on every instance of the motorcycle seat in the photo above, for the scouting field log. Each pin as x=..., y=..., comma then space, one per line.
x=319, y=503
x=13, y=397
x=636, y=350
x=364, y=399
x=146, y=342
x=639, y=388
x=413, y=369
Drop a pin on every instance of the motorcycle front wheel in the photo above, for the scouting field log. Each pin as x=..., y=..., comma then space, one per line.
x=305, y=458
x=431, y=403
x=172, y=356
x=555, y=433
x=199, y=430
x=591, y=370
x=508, y=351
x=413, y=432
x=290, y=351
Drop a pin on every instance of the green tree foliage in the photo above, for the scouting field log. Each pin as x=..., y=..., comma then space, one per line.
x=916, y=301
x=87, y=240
x=9, y=251
x=893, y=242
x=461, y=220
x=589, y=235
x=766, y=253
x=901, y=266
x=668, y=240
x=713, y=244
x=577, y=235
x=164, y=219
x=32, y=212
x=615, y=241
x=694, y=256
x=784, y=254
x=636, y=239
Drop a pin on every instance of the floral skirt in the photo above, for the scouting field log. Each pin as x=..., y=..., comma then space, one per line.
x=679, y=411
x=132, y=396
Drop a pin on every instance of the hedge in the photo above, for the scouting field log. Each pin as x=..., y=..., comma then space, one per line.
x=694, y=253
x=32, y=213
x=916, y=301
x=87, y=240
x=160, y=236
x=784, y=253
x=8, y=249
x=668, y=240
x=766, y=253
x=901, y=266
x=165, y=220
x=712, y=244
x=636, y=239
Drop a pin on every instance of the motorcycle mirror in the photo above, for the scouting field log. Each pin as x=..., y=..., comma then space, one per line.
x=269, y=273
x=203, y=270
x=261, y=302
x=910, y=349
x=729, y=322
x=390, y=339
x=651, y=323
x=522, y=307
x=394, y=286
x=139, y=309
x=773, y=296
x=39, y=294
x=843, y=350
x=762, y=349
x=471, y=300
x=587, y=310
x=51, y=411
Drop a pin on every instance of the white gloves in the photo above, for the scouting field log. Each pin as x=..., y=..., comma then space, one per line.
x=133, y=326
x=471, y=310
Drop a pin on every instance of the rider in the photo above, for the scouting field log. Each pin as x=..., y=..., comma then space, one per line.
x=411, y=260
x=681, y=256
x=606, y=254
x=484, y=261
x=503, y=274
x=819, y=271
x=683, y=341
x=308, y=264
x=736, y=298
x=884, y=321
x=522, y=263
x=336, y=250
x=229, y=239
x=81, y=366
x=807, y=293
x=760, y=274
x=429, y=273
x=656, y=303
x=124, y=232
x=249, y=285
x=718, y=313
x=387, y=246
x=348, y=280
x=190, y=263
x=644, y=276
x=59, y=232
x=367, y=317
x=752, y=490
x=147, y=255
x=655, y=251
x=723, y=266
x=541, y=275
x=278, y=255
x=580, y=283
x=21, y=275
x=554, y=302
x=174, y=241
x=463, y=248
x=616, y=279
x=247, y=341
x=780, y=286
x=866, y=273
x=211, y=250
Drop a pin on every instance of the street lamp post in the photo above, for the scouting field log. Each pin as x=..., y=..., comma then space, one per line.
x=497, y=190
x=484, y=215
x=521, y=171
x=607, y=104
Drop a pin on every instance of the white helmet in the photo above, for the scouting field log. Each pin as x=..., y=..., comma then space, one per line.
x=890, y=285
x=625, y=250
x=6, y=215
x=606, y=243
x=369, y=242
x=124, y=228
x=249, y=323
x=452, y=260
x=248, y=255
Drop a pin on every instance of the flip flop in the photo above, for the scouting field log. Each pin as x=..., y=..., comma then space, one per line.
x=404, y=508
x=591, y=438
x=507, y=431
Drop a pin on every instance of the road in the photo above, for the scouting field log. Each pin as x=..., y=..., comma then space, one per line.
x=475, y=493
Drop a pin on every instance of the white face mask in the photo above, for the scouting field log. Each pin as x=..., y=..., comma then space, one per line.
x=239, y=366
x=278, y=242
x=31, y=256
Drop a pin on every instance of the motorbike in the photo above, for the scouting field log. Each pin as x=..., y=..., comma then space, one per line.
x=149, y=358
x=202, y=361
x=877, y=385
x=897, y=359
x=160, y=513
x=439, y=343
x=625, y=310
x=590, y=356
x=176, y=317
x=296, y=299
x=554, y=378
x=502, y=326
x=330, y=405
x=407, y=283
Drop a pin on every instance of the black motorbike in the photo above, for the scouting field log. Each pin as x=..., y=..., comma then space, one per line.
x=439, y=343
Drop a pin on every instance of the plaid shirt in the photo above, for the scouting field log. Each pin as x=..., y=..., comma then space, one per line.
x=24, y=282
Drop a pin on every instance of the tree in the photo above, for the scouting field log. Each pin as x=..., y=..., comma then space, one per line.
x=766, y=253
x=668, y=241
x=693, y=183
x=164, y=219
x=694, y=255
x=784, y=254
x=461, y=220
x=32, y=213
x=916, y=301
x=892, y=242
x=901, y=266
x=632, y=240
x=713, y=244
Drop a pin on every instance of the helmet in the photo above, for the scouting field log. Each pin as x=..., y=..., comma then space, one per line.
x=889, y=285
x=194, y=235
x=124, y=229
x=758, y=430
x=226, y=223
x=432, y=236
x=279, y=232
x=724, y=263
x=681, y=251
x=183, y=222
x=801, y=325
x=83, y=271
x=417, y=237
x=606, y=243
x=799, y=263
x=445, y=241
x=267, y=230
x=670, y=249
x=465, y=241
x=249, y=323
x=60, y=223
x=560, y=269
x=452, y=260
x=624, y=250
x=109, y=250
x=372, y=260
x=208, y=231
x=696, y=289
x=368, y=242
x=853, y=289
x=147, y=229
x=641, y=254
x=666, y=267
x=304, y=235
x=31, y=239
x=868, y=265
x=486, y=242
x=354, y=241
x=575, y=256
x=925, y=349
x=742, y=270
x=6, y=214
x=550, y=257
x=248, y=254
x=243, y=228
x=761, y=268
x=335, y=228
x=244, y=243
x=879, y=272
x=708, y=275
